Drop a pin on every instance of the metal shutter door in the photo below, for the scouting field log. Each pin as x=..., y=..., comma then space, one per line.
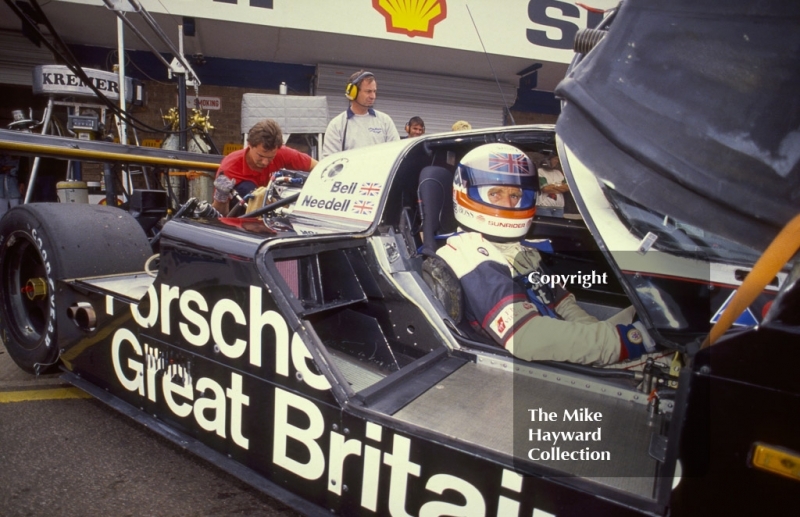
x=439, y=100
x=18, y=56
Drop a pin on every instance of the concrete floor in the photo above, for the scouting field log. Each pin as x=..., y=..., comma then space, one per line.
x=12, y=378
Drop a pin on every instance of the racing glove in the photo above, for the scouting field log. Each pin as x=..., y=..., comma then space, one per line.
x=635, y=341
x=222, y=188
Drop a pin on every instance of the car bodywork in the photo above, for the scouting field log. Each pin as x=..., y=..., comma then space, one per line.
x=307, y=354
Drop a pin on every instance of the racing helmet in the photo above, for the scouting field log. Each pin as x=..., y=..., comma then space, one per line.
x=494, y=191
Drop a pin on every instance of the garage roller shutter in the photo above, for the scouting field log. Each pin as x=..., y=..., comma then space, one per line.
x=18, y=56
x=439, y=100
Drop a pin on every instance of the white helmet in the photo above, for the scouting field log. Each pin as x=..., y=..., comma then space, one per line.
x=494, y=191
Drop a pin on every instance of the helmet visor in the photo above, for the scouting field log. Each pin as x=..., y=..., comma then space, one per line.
x=504, y=196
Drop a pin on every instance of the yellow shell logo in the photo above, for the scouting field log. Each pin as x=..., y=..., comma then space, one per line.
x=411, y=17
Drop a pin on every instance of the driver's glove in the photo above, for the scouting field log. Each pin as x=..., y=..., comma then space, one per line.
x=635, y=341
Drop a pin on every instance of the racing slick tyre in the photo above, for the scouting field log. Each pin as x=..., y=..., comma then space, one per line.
x=43, y=243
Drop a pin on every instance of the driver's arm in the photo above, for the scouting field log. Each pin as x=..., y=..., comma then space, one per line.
x=501, y=309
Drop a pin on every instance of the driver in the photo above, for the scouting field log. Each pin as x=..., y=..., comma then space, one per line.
x=494, y=196
x=253, y=167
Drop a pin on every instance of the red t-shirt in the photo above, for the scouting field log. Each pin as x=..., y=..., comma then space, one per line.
x=235, y=165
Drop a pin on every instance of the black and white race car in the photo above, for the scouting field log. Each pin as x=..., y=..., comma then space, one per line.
x=307, y=349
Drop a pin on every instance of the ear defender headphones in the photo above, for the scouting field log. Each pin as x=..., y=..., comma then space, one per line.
x=351, y=90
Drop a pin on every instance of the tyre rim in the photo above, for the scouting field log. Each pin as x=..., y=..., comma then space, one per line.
x=24, y=274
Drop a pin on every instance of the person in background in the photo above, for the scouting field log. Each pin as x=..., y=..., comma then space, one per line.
x=253, y=167
x=552, y=185
x=462, y=125
x=570, y=207
x=415, y=127
x=494, y=190
x=359, y=125
x=10, y=187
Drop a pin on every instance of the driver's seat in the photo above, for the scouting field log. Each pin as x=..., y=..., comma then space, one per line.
x=435, y=197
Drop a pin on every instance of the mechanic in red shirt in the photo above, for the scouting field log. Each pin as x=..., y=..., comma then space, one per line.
x=253, y=167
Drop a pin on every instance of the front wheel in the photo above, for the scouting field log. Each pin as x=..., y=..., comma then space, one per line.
x=43, y=243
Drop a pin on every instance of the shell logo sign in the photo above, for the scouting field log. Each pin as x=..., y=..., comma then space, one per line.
x=411, y=17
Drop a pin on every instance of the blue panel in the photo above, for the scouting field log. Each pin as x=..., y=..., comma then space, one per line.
x=215, y=71
x=536, y=101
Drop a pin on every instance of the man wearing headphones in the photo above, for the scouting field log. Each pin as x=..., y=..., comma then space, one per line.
x=359, y=125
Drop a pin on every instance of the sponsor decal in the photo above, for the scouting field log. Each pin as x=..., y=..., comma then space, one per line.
x=411, y=17
x=363, y=207
x=370, y=189
x=561, y=15
x=264, y=4
x=458, y=209
x=305, y=440
x=504, y=321
x=512, y=163
x=344, y=197
x=216, y=405
x=745, y=319
x=332, y=204
x=634, y=336
x=60, y=80
x=383, y=465
x=504, y=224
x=344, y=188
x=51, y=287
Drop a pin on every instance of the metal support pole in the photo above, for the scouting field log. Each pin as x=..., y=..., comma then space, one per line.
x=123, y=129
x=48, y=111
x=108, y=178
x=182, y=118
x=76, y=170
x=182, y=115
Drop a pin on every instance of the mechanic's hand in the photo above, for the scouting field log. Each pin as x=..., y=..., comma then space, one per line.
x=466, y=251
x=222, y=188
x=635, y=340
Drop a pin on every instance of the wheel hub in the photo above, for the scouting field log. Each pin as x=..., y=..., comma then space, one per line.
x=35, y=288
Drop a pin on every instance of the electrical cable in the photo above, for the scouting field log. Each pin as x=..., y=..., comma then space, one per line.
x=70, y=62
x=508, y=110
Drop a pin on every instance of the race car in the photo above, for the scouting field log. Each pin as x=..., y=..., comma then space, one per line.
x=307, y=348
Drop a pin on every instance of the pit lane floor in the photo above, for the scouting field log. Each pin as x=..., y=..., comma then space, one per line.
x=62, y=454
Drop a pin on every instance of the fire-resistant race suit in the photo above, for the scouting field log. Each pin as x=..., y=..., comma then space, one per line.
x=531, y=320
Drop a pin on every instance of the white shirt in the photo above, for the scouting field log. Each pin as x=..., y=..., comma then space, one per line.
x=552, y=177
x=374, y=127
